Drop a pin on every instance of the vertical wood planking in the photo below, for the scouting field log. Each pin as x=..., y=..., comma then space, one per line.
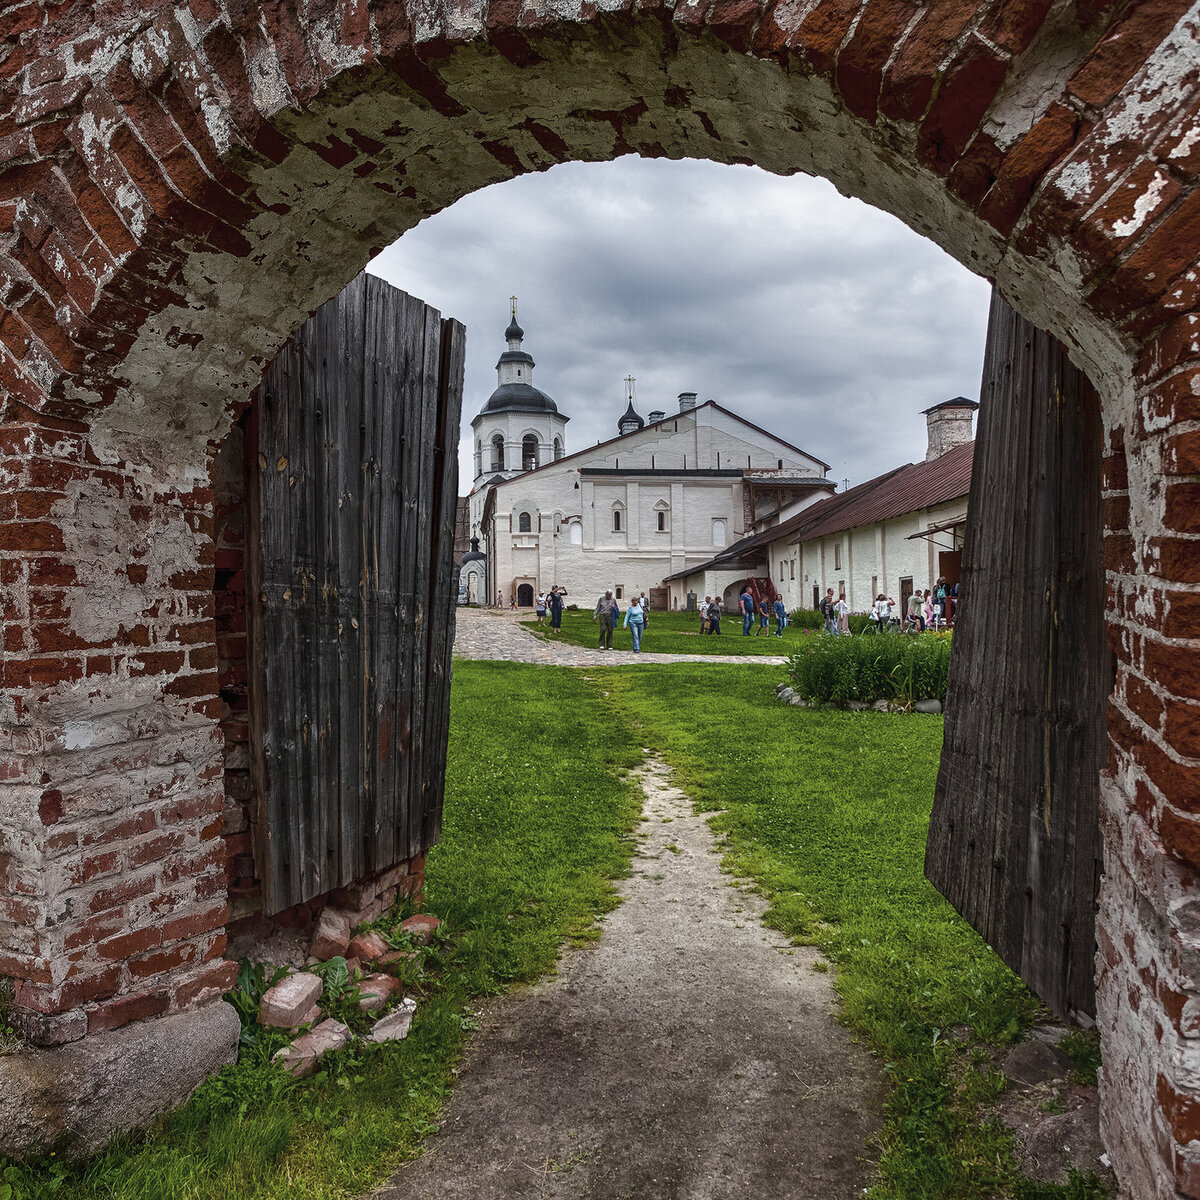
x=1014, y=839
x=352, y=483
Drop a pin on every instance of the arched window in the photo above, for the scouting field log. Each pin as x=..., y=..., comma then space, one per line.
x=478, y=456
x=524, y=523
x=557, y=449
x=718, y=533
x=662, y=516
x=498, y=452
x=616, y=520
x=529, y=453
x=576, y=533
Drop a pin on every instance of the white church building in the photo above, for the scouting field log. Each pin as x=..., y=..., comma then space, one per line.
x=662, y=495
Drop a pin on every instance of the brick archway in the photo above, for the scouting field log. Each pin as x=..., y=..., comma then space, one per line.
x=181, y=184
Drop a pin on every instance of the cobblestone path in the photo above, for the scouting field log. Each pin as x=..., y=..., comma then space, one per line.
x=484, y=633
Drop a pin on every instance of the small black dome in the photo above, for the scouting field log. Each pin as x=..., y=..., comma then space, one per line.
x=518, y=397
x=630, y=419
x=473, y=556
x=514, y=331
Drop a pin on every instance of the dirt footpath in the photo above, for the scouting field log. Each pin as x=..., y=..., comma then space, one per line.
x=690, y=1054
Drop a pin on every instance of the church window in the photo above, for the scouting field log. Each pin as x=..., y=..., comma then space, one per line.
x=718, y=528
x=524, y=524
x=662, y=520
x=662, y=516
x=616, y=520
x=498, y=452
x=781, y=464
x=557, y=449
x=529, y=453
x=620, y=593
x=792, y=569
x=478, y=456
x=837, y=556
x=576, y=533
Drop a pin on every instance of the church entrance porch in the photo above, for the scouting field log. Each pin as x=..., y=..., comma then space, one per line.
x=524, y=591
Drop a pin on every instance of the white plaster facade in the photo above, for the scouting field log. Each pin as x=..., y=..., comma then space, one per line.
x=860, y=563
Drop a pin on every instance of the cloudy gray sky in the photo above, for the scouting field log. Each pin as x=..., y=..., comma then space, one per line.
x=824, y=320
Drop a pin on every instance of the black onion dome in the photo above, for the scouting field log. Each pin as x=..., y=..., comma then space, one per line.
x=519, y=397
x=513, y=331
x=630, y=418
x=515, y=356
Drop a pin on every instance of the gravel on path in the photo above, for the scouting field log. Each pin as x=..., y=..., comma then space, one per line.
x=490, y=634
x=689, y=1054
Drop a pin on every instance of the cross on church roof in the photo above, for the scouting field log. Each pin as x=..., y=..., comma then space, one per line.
x=629, y=382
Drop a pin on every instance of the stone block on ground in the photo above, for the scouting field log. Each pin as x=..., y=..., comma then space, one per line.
x=286, y=1003
x=332, y=934
x=928, y=706
x=302, y=1056
x=76, y=1098
x=368, y=947
x=1035, y=1062
x=395, y=1026
x=422, y=926
x=376, y=992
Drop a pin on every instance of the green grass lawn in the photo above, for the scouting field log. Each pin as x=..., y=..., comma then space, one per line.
x=828, y=812
x=537, y=824
x=675, y=633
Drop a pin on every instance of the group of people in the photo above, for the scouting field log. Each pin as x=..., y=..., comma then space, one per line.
x=608, y=613
x=836, y=613
x=749, y=607
x=552, y=603
x=925, y=610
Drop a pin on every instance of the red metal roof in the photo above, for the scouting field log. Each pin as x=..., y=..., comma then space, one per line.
x=907, y=489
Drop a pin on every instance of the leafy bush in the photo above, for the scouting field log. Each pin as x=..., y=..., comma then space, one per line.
x=807, y=618
x=894, y=668
x=858, y=622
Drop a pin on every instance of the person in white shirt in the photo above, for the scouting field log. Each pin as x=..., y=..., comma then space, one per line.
x=881, y=611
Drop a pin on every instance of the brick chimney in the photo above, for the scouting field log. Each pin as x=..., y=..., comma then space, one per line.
x=687, y=400
x=949, y=424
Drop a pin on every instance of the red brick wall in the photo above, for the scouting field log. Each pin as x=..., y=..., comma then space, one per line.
x=181, y=184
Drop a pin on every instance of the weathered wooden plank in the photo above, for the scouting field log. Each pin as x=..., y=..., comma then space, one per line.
x=1014, y=838
x=444, y=589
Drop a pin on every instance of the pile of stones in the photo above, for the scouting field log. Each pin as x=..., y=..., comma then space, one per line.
x=789, y=695
x=294, y=1002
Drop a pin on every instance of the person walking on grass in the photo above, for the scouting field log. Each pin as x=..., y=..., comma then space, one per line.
x=746, y=604
x=714, y=616
x=635, y=619
x=829, y=612
x=606, y=606
x=555, y=604
x=540, y=607
x=764, y=619
x=705, y=619
x=780, y=616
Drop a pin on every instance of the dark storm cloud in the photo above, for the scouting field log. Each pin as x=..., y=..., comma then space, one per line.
x=818, y=317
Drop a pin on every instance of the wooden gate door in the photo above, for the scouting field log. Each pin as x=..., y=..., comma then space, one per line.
x=1014, y=840
x=352, y=458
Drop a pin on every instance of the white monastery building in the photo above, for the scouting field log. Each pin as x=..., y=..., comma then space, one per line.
x=894, y=534
x=663, y=495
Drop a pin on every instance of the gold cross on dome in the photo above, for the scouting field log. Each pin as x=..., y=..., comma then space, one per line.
x=514, y=306
x=629, y=382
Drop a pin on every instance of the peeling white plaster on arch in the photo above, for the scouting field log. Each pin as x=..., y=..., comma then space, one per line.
x=103, y=541
x=1142, y=208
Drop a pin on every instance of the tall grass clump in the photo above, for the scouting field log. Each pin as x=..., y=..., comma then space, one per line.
x=806, y=618
x=892, y=668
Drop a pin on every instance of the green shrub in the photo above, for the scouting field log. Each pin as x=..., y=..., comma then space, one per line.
x=858, y=622
x=807, y=618
x=867, y=669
